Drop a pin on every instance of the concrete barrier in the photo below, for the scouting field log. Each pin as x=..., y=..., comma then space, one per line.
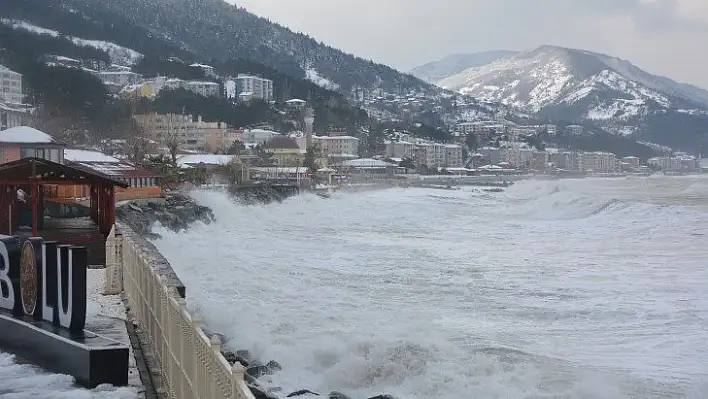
x=191, y=363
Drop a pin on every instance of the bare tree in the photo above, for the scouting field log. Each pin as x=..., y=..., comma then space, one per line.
x=171, y=136
x=136, y=144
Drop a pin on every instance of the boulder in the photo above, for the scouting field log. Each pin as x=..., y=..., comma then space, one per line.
x=302, y=392
x=260, y=393
x=337, y=395
x=175, y=212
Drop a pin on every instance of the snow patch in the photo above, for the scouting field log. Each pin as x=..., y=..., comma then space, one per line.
x=119, y=54
x=24, y=134
x=314, y=77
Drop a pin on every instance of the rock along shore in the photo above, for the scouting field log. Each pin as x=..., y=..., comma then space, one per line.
x=175, y=212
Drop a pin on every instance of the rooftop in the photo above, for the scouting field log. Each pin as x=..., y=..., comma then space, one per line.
x=76, y=155
x=26, y=134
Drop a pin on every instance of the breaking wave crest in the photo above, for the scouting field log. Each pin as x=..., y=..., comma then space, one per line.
x=429, y=294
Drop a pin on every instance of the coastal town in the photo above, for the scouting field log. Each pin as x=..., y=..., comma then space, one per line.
x=300, y=156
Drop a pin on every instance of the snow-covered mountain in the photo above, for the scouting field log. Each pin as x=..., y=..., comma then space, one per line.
x=569, y=84
x=453, y=64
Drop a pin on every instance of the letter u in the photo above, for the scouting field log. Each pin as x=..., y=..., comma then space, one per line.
x=65, y=310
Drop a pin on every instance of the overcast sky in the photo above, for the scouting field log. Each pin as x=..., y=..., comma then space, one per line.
x=666, y=37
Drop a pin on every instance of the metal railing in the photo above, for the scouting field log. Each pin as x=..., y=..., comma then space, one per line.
x=191, y=364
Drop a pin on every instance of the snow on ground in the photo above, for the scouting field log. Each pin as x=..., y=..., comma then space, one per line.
x=21, y=380
x=119, y=54
x=314, y=77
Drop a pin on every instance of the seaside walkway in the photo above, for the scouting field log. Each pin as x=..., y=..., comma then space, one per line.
x=187, y=361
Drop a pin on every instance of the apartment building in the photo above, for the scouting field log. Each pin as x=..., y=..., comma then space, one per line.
x=203, y=88
x=491, y=154
x=480, y=127
x=190, y=134
x=598, y=162
x=120, y=78
x=254, y=87
x=453, y=156
x=539, y=161
x=10, y=86
x=399, y=149
x=574, y=130
x=333, y=146
x=518, y=157
x=567, y=160
x=550, y=129
x=220, y=140
x=152, y=87
x=432, y=155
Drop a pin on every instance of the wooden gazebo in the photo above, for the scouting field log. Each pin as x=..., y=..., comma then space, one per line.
x=30, y=174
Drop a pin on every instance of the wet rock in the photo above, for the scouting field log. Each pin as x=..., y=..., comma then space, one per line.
x=274, y=366
x=258, y=370
x=301, y=393
x=260, y=393
x=382, y=397
x=175, y=212
x=337, y=395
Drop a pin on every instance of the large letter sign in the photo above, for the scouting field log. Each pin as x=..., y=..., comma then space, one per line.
x=44, y=281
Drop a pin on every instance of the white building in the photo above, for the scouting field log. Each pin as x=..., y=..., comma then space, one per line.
x=120, y=78
x=598, y=162
x=10, y=86
x=550, y=129
x=208, y=69
x=203, y=88
x=567, y=160
x=13, y=115
x=574, y=130
x=518, y=157
x=296, y=103
x=254, y=87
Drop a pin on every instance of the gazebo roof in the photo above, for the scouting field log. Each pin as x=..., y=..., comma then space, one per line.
x=23, y=169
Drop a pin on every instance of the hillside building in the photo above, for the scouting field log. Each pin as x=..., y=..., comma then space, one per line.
x=251, y=87
x=10, y=86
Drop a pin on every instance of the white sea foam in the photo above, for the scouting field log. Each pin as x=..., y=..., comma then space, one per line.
x=553, y=289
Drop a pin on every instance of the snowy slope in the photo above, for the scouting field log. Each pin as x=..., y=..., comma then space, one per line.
x=566, y=84
x=550, y=76
x=119, y=55
x=456, y=63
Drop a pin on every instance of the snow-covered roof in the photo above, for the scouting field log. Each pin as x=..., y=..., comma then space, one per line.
x=25, y=134
x=295, y=100
x=367, y=163
x=76, y=155
x=5, y=69
x=207, y=159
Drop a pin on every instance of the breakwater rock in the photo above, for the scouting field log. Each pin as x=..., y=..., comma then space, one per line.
x=256, y=370
x=175, y=212
x=252, y=194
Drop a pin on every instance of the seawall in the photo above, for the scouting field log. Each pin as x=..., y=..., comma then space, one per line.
x=184, y=360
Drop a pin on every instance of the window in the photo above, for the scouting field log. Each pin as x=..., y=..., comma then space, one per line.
x=54, y=155
x=27, y=152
